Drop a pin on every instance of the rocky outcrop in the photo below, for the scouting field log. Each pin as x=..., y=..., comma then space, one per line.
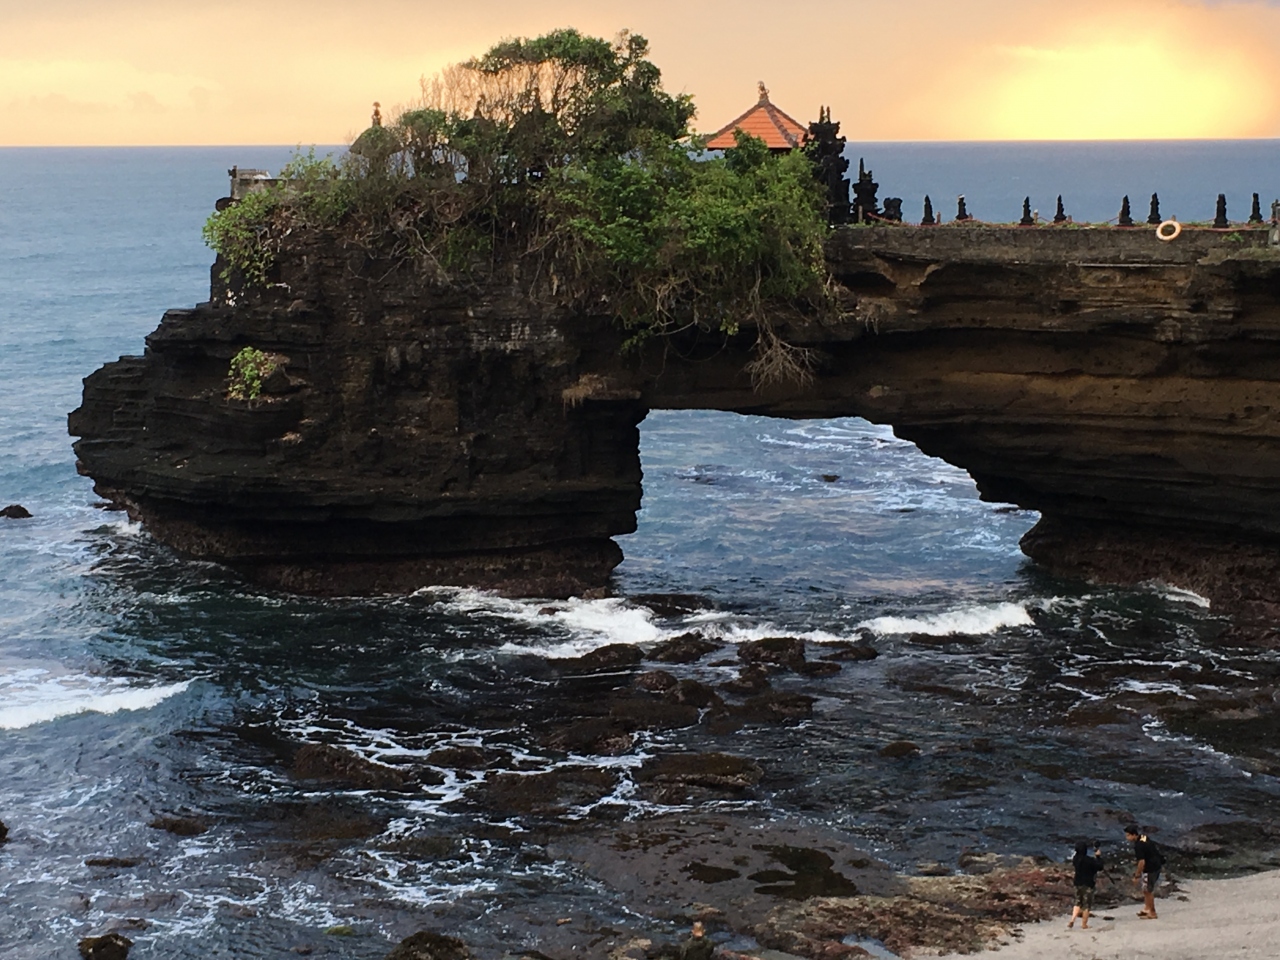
x=1123, y=387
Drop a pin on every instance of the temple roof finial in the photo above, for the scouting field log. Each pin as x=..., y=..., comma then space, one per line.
x=764, y=91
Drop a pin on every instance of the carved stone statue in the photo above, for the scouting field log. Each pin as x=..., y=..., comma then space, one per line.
x=1126, y=217
x=962, y=211
x=865, y=205
x=1027, y=220
x=1154, y=217
x=928, y=219
x=376, y=121
x=1220, y=215
x=1255, y=214
x=893, y=209
x=1060, y=216
x=825, y=149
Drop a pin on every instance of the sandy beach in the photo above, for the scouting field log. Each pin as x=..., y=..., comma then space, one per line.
x=1205, y=918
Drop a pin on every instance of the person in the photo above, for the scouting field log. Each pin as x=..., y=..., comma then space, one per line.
x=1086, y=882
x=698, y=946
x=1147, y=870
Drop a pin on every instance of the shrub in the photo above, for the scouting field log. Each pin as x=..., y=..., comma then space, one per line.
x=249, y=368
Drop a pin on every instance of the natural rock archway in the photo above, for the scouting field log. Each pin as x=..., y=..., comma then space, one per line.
x=1127, y=389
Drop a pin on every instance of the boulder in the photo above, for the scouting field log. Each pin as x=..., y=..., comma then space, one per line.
x=16, y=511
x=695, y=694
x=612, y=656
x=656, y=681
x=111, y=946
x=751, y=680
x=426, y=945
x=686, y=648
x=780, y=651
x=899, y=748
x=852, y=652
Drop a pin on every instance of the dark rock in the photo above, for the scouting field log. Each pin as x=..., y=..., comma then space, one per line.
x=826, y=668
x=718, y=771
x=610, y=657
x=180, y=826
x=15, y=511
x=656, y=681
x=120, y=863
x=606, y=736
x=545, y=793
x=111, y=946
x=686, y=648
x=671, y=604
x=782, y=651
x=430, y=946
x=777, y=707
x=750, y=680
x=322, y=761
x=647, y=714
x=830, y=477
x=4, y=832
x=695, y=694
x=462, y=758
x=899, y=748
x=852, y=653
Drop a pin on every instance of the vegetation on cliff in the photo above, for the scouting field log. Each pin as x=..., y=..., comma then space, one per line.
x=565, y=153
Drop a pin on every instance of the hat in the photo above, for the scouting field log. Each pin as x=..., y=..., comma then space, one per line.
x=1132, y=830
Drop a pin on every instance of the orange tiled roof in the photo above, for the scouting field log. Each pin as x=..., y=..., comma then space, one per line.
x=764, y=120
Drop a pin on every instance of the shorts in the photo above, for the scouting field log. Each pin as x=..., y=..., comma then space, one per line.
x=1084, y=898
x=1149, y=880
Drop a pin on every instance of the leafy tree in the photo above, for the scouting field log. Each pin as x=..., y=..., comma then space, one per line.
x=565, y=148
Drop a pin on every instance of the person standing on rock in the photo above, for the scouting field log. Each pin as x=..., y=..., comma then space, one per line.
x=698, y=946
x=1147, y=870
x=1086, y=881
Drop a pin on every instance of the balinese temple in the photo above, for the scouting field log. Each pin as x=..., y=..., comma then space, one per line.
x=779, y=131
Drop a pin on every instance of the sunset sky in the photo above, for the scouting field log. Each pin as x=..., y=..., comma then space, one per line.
x=291, y=72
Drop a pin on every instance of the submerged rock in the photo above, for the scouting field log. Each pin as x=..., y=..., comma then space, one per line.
x=111, y=946
x=322, y=761
x=180, y=826
x=4, y=832
x=427, y=945
x=777, y=707
x=15, y=511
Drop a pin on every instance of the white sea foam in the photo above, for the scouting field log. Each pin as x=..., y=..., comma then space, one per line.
x=974, y=620
x=1179, y=595
x=32, y=696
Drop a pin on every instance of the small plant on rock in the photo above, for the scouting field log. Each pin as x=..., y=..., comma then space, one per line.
x=249, y=368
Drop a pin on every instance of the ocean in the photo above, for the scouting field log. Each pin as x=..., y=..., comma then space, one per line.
x=139, y=690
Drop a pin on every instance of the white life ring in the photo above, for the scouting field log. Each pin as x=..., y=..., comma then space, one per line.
x=1173, y=235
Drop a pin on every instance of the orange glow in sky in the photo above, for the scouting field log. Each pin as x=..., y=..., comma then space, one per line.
x=158, y=72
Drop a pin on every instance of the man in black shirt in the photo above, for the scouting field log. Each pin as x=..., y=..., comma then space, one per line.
x=1086, y=881
x=1147, y=870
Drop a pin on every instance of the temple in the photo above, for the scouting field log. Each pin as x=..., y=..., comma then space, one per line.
x=779, y=131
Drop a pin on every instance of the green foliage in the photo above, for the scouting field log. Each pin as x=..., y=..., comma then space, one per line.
x=564, y=151
x=248, y=369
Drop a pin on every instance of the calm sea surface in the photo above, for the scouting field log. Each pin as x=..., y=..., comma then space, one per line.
x=136, y=686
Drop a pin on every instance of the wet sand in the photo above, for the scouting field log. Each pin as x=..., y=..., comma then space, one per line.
x=1238, y=918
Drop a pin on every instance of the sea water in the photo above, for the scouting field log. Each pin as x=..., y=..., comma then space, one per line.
x=137, y=687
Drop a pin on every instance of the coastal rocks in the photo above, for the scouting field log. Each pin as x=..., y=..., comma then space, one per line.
x=322, y=761
x=180, y=826
x=548, y=793
x=686, y=648
x=938, y=914
x=610, y=657
x=778, y=651
x=111, y=946
x=4, y=832
x=15, y=511
x=427, y=945
x=673, y=778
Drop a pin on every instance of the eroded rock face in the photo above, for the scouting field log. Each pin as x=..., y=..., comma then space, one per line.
x=1125, y=388
x=421, y=435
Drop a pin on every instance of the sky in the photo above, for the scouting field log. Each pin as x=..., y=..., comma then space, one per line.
x=176, y=72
